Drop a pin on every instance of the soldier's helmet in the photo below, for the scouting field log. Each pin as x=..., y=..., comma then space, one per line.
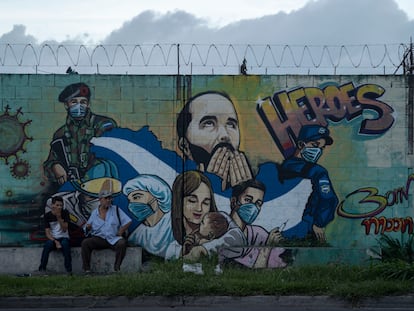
x=97, y=176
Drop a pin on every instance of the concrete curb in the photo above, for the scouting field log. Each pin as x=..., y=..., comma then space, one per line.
x=389, y=302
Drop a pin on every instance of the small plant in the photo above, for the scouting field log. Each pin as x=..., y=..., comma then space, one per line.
x=394, y=249
x=396, y=258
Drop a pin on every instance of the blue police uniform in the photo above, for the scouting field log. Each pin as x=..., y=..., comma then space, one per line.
x=321, y=205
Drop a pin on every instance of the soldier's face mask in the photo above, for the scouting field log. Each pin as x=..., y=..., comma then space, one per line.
x=78, y=110
x=77, y=107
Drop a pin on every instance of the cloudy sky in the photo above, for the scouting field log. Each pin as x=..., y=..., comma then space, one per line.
x=277, y=22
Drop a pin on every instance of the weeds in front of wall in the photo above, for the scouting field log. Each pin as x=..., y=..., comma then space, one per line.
x=167, y=278
x=397, y=258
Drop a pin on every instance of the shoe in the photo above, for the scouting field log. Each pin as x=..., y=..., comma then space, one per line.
x=146, y=266
x=117, y=268
x=218, y=270
x=40, y=273
x=195, y=268
x=87, y=272
x=27, y=274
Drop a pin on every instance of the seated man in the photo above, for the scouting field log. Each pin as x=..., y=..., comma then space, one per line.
x=106, y=225
x=56, y=230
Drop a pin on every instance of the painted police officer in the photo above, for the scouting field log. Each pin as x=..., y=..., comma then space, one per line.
x=321, y=205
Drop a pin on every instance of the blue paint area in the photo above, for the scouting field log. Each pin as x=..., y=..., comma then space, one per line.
x=144, y=138
x=268, y=172
x=269, y=175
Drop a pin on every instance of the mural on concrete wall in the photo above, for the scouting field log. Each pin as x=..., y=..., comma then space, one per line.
x=228, y=173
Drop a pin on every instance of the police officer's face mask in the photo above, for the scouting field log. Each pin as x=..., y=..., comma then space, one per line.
x=78, y=110
x=311, y=154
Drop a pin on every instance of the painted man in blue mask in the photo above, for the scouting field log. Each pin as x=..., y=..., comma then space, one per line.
x=246, y=202
x=69, y=157
x=321, y=205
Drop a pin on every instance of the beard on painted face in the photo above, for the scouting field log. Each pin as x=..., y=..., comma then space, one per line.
x=201, y=156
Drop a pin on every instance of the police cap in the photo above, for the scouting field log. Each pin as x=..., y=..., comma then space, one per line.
x=314, y=132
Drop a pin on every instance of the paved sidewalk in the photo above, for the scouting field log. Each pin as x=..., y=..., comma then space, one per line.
x=314, y=302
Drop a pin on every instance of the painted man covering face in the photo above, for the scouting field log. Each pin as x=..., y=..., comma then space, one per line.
x=208, y=130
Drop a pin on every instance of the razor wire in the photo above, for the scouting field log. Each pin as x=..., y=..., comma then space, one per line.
x=202, y=58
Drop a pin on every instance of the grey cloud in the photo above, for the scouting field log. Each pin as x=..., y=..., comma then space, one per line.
x=150, y=27
x=319, y=23
x=17, y=36
x=353, y=23
x=327, y=22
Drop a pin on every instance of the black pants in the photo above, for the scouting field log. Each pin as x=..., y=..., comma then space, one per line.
x=96, y=242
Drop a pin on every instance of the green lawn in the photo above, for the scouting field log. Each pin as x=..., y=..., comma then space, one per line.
x=168, y=279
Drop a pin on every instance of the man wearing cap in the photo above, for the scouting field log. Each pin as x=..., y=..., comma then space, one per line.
x=85, y=197
x=322, y=202
x=69, y=157
x=106, y=226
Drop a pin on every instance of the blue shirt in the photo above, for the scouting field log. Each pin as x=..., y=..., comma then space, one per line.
x=321, y=205
x=108, y=228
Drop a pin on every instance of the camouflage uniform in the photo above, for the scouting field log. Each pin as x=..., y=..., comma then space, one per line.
x=73, y=141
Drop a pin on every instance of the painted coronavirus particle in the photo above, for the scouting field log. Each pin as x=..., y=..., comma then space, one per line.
x=13, y=134
x=20, y=169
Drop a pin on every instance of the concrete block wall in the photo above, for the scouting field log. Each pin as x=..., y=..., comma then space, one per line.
x=26, y=260
x=369, y=163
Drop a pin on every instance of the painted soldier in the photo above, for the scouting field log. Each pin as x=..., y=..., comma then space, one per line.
x=70, y=157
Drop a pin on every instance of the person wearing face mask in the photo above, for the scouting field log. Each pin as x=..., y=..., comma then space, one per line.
x=69, y=156
x=246, y=202
x=149, y=199
x=321, y=205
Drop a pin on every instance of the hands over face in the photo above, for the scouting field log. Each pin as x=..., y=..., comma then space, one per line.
x=231, y=166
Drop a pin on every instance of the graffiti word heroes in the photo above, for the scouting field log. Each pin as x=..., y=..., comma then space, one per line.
x=285, y=113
